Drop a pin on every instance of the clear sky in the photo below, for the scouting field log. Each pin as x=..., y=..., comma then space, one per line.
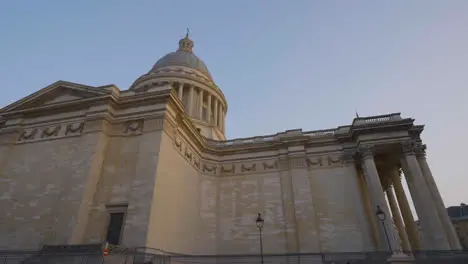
x=281, y=64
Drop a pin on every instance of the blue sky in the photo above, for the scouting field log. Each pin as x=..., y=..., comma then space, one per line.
x=281, y=64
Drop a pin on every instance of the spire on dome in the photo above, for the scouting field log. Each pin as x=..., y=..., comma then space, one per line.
x=186, y=44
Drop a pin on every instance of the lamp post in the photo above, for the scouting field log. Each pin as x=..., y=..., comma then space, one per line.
x=381, y=216
x=260, y=223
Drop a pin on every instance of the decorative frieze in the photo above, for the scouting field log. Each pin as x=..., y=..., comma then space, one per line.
x=188, y=153
x=196, y=162
x=210, y=169
x=267, y=166
x=228, y=170
x=50, y=132
x=332, y=160
x=233, y=168
x=134, y=126
x=28, y=134
x=245, y=168
x=314, y=162
x=76, y=128
x=178, y=144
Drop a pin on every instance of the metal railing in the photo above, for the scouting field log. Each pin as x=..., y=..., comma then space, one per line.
x=147, y=256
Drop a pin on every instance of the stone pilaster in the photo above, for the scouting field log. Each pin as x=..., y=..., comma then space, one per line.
x=292, y=243
x=141, y=197
x=437, y=198
x=377, y=198
x=305, y=211
x=434, y=236
x=97, y=142
x=407, y=215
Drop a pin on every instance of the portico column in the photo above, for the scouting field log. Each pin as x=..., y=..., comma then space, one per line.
x=434, y=191
x=397, y=218
x=433, y=231
x=181, y=91
x=215, y=121
x=377, y=198
x=200, y=105
x=403, y=203
x=190, y=100
x=208, y=111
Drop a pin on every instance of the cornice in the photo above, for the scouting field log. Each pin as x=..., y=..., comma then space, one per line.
x=97, y=91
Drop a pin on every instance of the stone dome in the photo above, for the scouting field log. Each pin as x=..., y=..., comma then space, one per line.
x=184, y=56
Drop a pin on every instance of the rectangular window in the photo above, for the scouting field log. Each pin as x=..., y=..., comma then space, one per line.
x=114, y=230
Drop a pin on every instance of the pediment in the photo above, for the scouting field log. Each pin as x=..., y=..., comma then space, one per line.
x=56, y=94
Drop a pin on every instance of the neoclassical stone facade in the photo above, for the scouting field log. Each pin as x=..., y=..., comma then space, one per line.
x=71, y=155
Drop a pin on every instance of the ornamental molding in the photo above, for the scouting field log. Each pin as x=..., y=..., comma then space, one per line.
x=267, y=166
x=55, y=131
x=366, y=151
x=246, y=168
x=51, y=131
x=420, y=150
x=349, y=156
x=133, y=127
x=209, y=166
x=408, y=147
x=74, y=128
x=314, y=162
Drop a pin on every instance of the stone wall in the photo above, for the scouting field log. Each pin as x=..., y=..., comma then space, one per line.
x=175, y=222
x=328, y=211
x=42, y=188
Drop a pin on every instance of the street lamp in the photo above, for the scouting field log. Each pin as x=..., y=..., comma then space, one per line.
x=381, y=215
x=260, y=223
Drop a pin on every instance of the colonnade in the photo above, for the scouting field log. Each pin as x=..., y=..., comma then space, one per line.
x=202, y=105
x=401, y=232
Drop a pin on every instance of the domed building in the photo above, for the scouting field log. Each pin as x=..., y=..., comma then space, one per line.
x=150, y=167
x=203, y=101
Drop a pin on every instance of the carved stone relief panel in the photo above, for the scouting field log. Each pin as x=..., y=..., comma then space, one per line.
x=331, y=160
x=73, y=129
x=50, y=132
x=228, y=170
x=188, y=153
x=314, y=162
x=133, y=127
x=210, y=168
x=247, y=168
x=28, y=134
x=270, y=165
